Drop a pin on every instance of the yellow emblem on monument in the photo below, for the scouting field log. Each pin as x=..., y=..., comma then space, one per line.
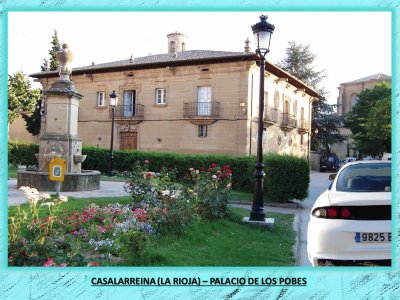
x=57, y=168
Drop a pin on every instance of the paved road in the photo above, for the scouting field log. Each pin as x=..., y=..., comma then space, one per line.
x=107, y=189
x=319, y=183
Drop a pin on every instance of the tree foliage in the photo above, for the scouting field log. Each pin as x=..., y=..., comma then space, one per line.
x=298, y=61
x=21, y=98
x=55, y=47
x=33, y=121
x=370, y=121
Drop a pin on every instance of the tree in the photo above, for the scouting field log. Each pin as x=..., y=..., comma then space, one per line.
x=298, y=62
x=370, y=121
x=21, y=98
x=55, y=47
x=33, y=121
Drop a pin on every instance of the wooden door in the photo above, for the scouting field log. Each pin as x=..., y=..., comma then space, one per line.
x=128, y=141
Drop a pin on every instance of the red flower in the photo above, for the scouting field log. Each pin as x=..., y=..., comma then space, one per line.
x=209, y=170
x=214, y=165
x=93, y=264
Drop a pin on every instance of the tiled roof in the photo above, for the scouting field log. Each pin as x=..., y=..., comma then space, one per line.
x=377, y=77
x=181, y=58
x=187, y=56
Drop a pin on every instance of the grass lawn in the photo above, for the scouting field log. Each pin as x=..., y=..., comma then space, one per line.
x=223, y=242
x=229, y=242
x=237, y=196
x=12, y=172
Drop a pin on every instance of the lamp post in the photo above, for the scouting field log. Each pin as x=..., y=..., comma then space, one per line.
x=262, y=35
x=113, y=103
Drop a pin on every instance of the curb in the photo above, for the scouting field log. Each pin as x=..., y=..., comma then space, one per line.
x=296, y=246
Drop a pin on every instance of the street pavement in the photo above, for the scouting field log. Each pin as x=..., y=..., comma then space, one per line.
x=107, y=189
x=319, y=183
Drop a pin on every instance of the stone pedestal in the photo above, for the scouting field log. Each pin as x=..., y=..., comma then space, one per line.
x=60, y=138
x=61, y=128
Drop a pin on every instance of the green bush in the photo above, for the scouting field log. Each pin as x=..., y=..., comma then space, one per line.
x=287, y=178
x=242, y=166
x=132, y=246
x=22, y=153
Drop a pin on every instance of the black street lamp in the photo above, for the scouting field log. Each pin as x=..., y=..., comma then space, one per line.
x=113, y=103
x=262, y=35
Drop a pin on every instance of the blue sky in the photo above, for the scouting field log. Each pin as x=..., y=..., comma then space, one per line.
x=349, y=45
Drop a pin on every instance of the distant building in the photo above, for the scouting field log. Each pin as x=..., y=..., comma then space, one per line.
x=191, y=101
x=349, y=91
x=348, y=97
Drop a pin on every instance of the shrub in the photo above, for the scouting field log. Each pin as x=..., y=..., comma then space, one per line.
x=21, y=153
x=287, y=178
x=132, y=246
x=211, y=187
x=242, y=166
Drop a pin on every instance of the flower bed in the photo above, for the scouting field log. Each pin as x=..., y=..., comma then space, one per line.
x=44, y=235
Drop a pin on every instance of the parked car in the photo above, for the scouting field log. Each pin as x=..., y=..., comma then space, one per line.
x=346, y=160
x=350, y=223
x=328, y=162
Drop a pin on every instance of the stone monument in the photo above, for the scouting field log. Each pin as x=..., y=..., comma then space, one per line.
x=60, y=138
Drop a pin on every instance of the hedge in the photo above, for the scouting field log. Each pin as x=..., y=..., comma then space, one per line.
x=287, y=177
x=21, y=153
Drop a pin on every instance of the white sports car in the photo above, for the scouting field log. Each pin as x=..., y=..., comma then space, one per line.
x=350, y=223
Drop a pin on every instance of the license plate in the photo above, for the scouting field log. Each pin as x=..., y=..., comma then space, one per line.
x=373, y=237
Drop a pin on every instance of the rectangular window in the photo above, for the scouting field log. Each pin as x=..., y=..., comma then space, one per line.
x=161, y=96
x=101, y=98
x=202, y=131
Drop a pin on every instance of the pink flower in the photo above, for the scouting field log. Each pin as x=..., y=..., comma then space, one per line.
x=49, y=263
x=62, y=265
x=146, y=161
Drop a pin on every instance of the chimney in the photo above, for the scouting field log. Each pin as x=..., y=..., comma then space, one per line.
x=176, y=42
x=247, y=48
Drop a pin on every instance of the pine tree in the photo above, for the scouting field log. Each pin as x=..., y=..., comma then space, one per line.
x=298, y=61
x=55, y=47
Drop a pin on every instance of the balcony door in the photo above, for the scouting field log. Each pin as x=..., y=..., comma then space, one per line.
x=129, y=103
x=204, y=101
x=286, y=112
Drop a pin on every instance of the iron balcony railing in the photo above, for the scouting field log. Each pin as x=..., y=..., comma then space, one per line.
x=201, y=109
x=271, y=115
x=288, y=120
x=128, y=111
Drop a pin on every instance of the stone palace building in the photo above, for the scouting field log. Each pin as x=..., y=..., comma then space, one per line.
x=190, y=101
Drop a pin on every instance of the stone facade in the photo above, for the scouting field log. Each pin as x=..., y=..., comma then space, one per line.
x=349, y=91
x=194, y=101
x=348, y=97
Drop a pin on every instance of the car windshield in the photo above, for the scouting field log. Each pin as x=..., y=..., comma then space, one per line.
x=365, y=178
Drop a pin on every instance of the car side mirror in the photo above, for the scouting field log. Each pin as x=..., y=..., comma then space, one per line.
x=332, y=177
